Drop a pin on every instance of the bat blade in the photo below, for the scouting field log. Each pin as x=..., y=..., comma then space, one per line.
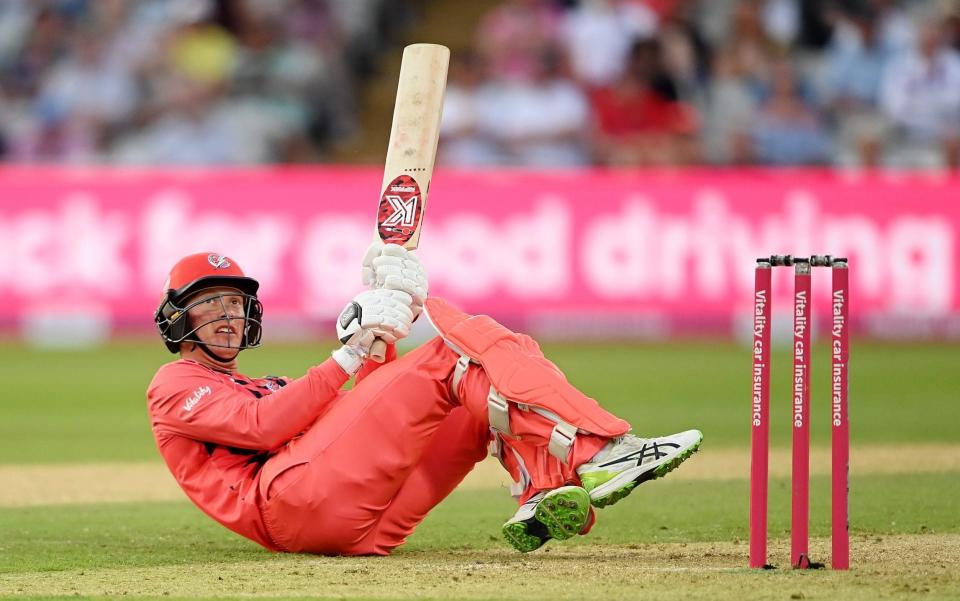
x=412, y=149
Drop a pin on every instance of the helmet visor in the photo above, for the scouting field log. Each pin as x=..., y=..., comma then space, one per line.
x=230, y=320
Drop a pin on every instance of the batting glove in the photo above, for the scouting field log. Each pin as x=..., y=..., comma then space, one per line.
x=383, y=314
x=392, y=267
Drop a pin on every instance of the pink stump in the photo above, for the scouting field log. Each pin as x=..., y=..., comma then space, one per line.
x=800, y=417
x=760, y=422
x=840, y=426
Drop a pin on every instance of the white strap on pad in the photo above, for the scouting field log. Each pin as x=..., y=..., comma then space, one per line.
x=459, y=370
x=561, y=440
x=498, y=412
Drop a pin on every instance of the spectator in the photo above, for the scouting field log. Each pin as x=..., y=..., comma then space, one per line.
x=82, y=97
x=854, y=65
x=42, y=48
x=730, y=109
x=329, y=49
x=920, y=92
x=750, y=42
x=193, y=129
x=639, y=121
x=276, y=91
x=897, y=28
x=781, y=20
x=253, y=81
x=513, y=38
x=17, y=18
x=815, y=23
x=685, y=57
x=462, y=140
x=86, y=84
x=953, y=30
x=597, y=36
x=87, y=80
x=201, y=49
x=537, y=122
x=52, y=136
x=787, y=130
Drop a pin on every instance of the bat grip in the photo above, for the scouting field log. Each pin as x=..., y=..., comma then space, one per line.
x=378, y=350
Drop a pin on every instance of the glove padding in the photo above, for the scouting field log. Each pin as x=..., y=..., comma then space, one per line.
x=383, y=314
x=392, y=267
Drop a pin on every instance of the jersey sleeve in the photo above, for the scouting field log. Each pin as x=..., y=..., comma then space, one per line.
x=189, y=400
x=369, y=366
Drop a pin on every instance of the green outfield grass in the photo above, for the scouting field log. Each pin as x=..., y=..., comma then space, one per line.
x=154, y=534
x=675, y=539
x=89, y=405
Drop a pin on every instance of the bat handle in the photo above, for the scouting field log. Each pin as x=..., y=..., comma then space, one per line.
x=378, y=350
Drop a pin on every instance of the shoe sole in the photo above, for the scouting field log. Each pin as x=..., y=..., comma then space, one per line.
x=623, y=484
x=563, y=513
x=520, y=539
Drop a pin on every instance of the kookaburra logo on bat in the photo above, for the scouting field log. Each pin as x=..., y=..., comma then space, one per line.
x=404, y=211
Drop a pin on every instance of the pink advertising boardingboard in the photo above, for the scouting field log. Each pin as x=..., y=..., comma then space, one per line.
x=591, y=254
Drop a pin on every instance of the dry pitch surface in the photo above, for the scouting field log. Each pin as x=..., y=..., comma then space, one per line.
x=658, y=571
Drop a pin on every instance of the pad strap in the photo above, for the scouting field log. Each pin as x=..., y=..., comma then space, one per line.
x=561, y=440
x=459, y=370
x=496, y=445
x=562, y=436
x=498, y=412
x=517, y=488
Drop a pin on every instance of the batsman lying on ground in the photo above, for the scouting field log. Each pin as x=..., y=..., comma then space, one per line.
x=301, y=465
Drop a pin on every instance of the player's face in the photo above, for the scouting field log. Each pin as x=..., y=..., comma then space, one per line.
x=219, y=314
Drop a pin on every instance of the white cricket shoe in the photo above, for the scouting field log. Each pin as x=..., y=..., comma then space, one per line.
x=628, y=460
x=559, y=513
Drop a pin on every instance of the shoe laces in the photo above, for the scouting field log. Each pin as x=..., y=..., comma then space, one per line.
x=618, y=444
x=629, y=441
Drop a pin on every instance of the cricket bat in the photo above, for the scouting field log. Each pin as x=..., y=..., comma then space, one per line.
x=412, y=150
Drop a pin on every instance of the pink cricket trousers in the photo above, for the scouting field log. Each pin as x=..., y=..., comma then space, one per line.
x=370, y=469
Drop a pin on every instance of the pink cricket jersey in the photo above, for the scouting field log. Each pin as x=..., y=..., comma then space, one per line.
x=216, y=430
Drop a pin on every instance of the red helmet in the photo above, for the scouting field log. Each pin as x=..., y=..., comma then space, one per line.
x=194, y=273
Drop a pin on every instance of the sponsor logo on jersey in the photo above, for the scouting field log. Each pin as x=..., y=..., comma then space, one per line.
x=193, y=399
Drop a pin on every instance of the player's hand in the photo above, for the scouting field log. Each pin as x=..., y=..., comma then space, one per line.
x=392, y=267
x=383, y=314
x=373, y=314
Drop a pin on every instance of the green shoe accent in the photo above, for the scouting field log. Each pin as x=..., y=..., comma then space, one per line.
x=564, y=514
x=615, y=495
x=591, y=480
x=597, y=478
x=518, y=537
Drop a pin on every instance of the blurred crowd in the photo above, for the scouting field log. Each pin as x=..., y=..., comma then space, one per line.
x=195, y=82
x=726, y=82
x=543, y=83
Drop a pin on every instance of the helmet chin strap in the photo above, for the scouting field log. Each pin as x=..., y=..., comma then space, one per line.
x=214, y=356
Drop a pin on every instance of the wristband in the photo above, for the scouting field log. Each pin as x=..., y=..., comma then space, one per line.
x=349, y=359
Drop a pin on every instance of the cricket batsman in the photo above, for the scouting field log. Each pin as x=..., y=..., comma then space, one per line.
x=301, y=465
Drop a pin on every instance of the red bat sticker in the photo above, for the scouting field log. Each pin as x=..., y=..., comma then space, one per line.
x=400, y=211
